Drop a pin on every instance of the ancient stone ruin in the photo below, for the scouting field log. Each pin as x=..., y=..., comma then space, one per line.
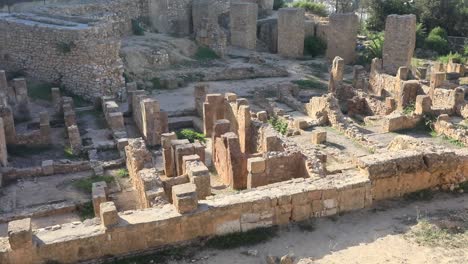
x=172, y=121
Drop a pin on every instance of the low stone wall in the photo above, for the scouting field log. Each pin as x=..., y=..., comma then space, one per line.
x=394, y=174
x=444, y=127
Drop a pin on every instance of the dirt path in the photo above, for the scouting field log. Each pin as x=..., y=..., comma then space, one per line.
x=375, y=235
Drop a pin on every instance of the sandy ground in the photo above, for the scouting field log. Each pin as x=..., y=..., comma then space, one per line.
x=376, y=235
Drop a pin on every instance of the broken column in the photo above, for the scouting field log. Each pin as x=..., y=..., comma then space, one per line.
x=243, y=23
x=56, y=99
x=150, y=121
x=22, y=110
x=291, y=30
x=399, y=43
x=168, y=159
x=44, y=125
x=336, y=74
x=341, y=36
x=200, y=95
x=74, y=139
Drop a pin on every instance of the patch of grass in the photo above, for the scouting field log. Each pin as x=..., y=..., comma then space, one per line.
x=409, y=109
x=279, y=125
x=307, y=225
x=86, y=211
x=86, y=184
x=453, y=141
x=205, y=53
x=191, y=135
x=429, y=234
x=40, y=91
x=310, y=83
x=456, y=56
x=25, y=151
x=249, y=238
x=123, y=173
x=160, y=257
x=137, y=29
x=423, y=195
x=68, y=152
x=65, y=47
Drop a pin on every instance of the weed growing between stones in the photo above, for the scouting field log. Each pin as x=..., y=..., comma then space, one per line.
x=191, y=135
x=86, y=184
x=279, y=125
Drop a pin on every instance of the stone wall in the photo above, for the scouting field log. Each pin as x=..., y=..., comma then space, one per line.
x=341, y=36
x=82, y=57
x=291, y=32
x=173, y=17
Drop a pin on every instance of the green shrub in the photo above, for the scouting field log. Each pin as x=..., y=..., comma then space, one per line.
x=137, y=29
x=191, y=135
x=318, y=9
x=421, y=35
x=374, y=49
x=457, y=56
x=205, y=53
x=279, y=125
x=123, y=173
x=314, y=46
x=86, y=211
x=311, y=83
x=437, y=41
x=277, y=4
x=465, y=51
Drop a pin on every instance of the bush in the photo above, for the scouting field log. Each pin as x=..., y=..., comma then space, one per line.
x=457, y=56
x=86, y=184
x=374, y=49
x=314, y=46
x=421, y=35
x=137, y=29
x=205, y=53
x=277, y=4
x=191, y=135
x=437, y=41
x=318, y=9
x=279, y=125
x=465, y=51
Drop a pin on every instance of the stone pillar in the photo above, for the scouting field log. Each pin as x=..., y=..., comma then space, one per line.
x=244, y=122
x=291, y=30
x=3, y=83
x=199, y=175
x=108, y=214
x=341, y=36
x=74, y=139
x=319, y=137
x=400, y=41
x=244, y=25
x=336, y=74
x=257, y=176
x=174, y=146
x=200, y=95
x=3, y=148
x=150, y=112
x=56, y=99
x=22, y=110
x=99, y=194
x=437, y=79
x=168, y=159
x=116, y=121
x=213, y=109
x=423, y=104
x=8, y=124
x=44, y=127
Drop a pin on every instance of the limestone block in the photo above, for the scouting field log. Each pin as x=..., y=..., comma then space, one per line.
x=56, y=99
x=47, y=167
x=399, y=43
x=319, y=137
x=184, y=197
x=186, y=159
x=262, y=116
x=268, y=33
x=341, y=36
x=256, y=165
x=116, y=121
x=3, y=146
x=20, y=233
x=423, y=104
x=99, y=195
x=122, y=143
x=243, y=24
x=291, y=32
x=108, y=214
x=300, y=124
x=200, y=176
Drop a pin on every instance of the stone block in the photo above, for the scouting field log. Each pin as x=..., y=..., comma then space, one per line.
x=423, y=104
x=262, y=116
x=108, y=214
x=256, y=165
x=20, y=234
x=319, y=137
x=47, y=167
x=184, y=197
x=243, y=24
x=341, y=36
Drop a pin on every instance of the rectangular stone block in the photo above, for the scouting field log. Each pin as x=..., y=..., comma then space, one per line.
x=243, y=24
x=108, y=214
x=47, y=167
x=20, y=234
x=319, y=137
x=184, y=197
x=256, y=165
x=341, y=36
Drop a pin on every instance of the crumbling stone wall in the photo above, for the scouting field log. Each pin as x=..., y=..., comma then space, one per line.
x=173, y=17
x=84, y=58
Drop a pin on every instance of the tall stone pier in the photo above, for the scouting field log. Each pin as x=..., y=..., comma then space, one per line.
x=291, y=28
x=341, y=37
x=244, y=25
x=400, y=41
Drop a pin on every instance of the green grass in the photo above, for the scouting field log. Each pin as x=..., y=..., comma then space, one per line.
x=205, y=53
x=25, y=151
x=453, y=141
x=86, y=184
x=191, y=135
x=249, y=238
x=311, y=83
x=428, y=234
x=160, y=257
x=86, y=211
x=446, y=58
x=409, y=109
x=123, y=173
x=40, y=91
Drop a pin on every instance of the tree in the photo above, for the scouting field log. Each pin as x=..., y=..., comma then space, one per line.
x=452, y=15
x=380, y=9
